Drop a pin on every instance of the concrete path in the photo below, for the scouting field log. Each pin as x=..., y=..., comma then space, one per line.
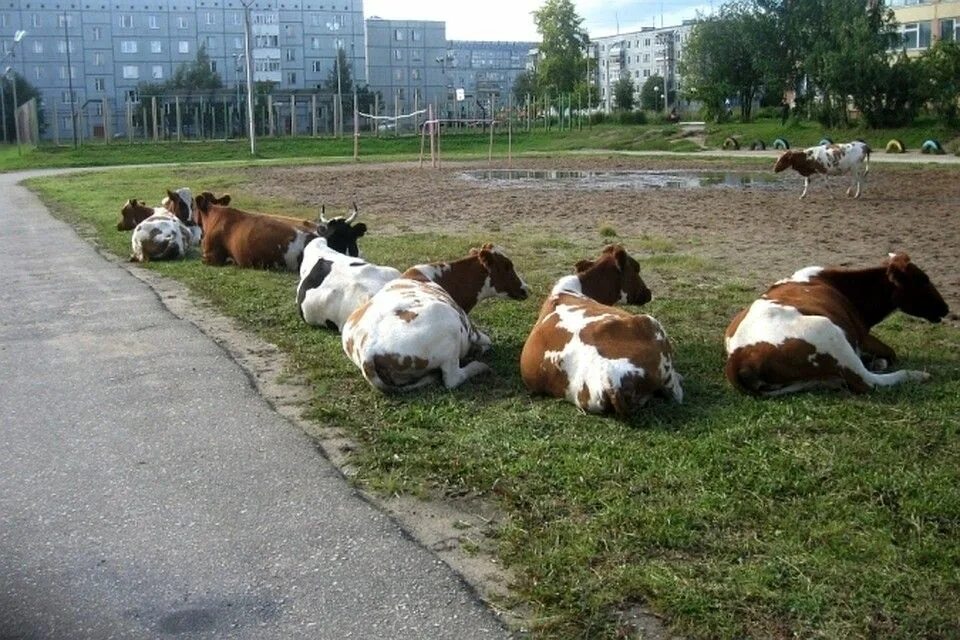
x=146, y=490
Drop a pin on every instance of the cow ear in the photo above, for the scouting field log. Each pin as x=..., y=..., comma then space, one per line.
x=172, y=195
x=582, y=265
x=203, y=202
x=359, y=229
x=484, y=254
x=897, y=266
x=620, y=254
x=224, y=200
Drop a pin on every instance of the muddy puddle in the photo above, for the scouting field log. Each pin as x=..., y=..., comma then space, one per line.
x=606, y=180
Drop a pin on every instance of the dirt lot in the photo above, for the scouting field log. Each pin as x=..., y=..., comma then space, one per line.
x=758, y=232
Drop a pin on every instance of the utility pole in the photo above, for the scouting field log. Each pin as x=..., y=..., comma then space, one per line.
x=73, y=110
x=248, y=53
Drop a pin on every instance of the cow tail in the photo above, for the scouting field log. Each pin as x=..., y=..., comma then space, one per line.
x=866, y=161
x=744, y=376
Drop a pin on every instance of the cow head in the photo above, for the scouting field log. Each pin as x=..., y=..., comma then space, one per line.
x=132, y=213
x=180, y=203
x=340, y=234
x=613, y=277
x=205, y=200
x=503, y=278
x=787, y=160
x=913, y=293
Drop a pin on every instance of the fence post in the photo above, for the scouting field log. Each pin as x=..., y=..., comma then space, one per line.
x=226, y=121
x=270, y=115
x=293, y=115
x=313, y=114
x=356, y=127
x=56, y=128
x=376, y=112
x=129, y=121
x=176, y=103
x=396, y=114
x=156, y=125
x=106, y=120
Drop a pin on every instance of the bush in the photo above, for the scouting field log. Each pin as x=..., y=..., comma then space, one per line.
x=631, y=117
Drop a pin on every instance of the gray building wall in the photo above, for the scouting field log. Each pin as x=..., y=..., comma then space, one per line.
x=405, y=62
x=485, y=69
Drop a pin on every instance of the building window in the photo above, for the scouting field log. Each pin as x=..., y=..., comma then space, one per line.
x=156, y=46
x=131, y=71
x=62, y=46
x=98, y=59
x=211, y=43
x=126, y=22
x=133, y=95
x=213, y=66
x=415, y=35
x=97, y=33
x=398, y=74
x=916, y=35
x=37, y=46
x=98, y=108
x=238, y=43
x=152, y=22
x=290, y=55
x=416, y=55
x=398, y=54
x=64, y=21
x=211, y=19
x=237, y=18
x=184, y=46
x=128, y=46
x=68, y=97
x=63, y=72
x=38, y=72
x=317, y=66
x=415, y=74
x=181, y=22
x=950, y=30
x=99, y=84
x=292, y=78
x=35, y=20
x=315, y=43
x=398, y=35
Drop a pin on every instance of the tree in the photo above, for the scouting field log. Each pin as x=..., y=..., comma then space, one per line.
x=563, y=47
x=195, y=76
x=940, y=72
x=525, y=85
x=651, y=94
x=623, y=91
x=25, y=93
x=341, y=78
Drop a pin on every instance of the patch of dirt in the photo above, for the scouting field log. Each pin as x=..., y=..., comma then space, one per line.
x=758, y=234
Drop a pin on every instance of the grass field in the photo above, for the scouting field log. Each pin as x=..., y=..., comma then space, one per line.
x=819, y=515
x=652, y=137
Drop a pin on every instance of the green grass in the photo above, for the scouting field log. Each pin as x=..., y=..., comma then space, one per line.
x=818, y=515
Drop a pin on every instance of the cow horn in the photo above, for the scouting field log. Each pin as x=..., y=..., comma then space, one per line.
x=323, y=209
x=353, y=214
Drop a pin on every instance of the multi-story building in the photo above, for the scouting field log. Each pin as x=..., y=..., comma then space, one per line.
x=923, y=22
x=485, y=70
x=640, y=55
x=402, y=62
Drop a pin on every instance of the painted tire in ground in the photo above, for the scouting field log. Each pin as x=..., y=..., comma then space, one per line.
x=824, y=141
x=931, y=146
x=731, y=143
x=781, y=143
x=757, y=145
x=896, y=146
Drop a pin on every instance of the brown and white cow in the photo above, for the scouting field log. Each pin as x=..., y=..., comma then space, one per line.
x=599, y=357
x=134, y=212
x=162, y=237
x=182, y=204
x=415, y=329
x=828, y=160
x=813, y=329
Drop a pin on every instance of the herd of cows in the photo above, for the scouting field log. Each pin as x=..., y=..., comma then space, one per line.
x=412, y=329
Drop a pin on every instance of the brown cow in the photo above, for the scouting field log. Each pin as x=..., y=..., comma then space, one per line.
x=134, y=212
x=248, y=239
x=813, y=329
x=599, y=357
x=183, y=205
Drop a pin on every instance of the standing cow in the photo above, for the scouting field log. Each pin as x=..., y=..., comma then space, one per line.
x=813, y=329
x=599, y=357
x=828, y=160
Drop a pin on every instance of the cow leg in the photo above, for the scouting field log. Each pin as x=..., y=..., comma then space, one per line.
x=859, y=379
x=454, y=375
x=806, y=185
x=876, y=354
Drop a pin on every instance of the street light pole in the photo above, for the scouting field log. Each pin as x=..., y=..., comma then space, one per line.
x=3, y=108
x=248, y=52
x=16, y=121
x=73, y=110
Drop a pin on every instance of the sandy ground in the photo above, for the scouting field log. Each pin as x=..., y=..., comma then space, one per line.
x=758, y=232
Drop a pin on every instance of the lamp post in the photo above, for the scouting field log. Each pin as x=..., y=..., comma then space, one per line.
x=16, y=121
x=17, y=37
x=656, y=98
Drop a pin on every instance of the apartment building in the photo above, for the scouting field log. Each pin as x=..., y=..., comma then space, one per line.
x=923, y=22
x=403, y=62
x=639, y=55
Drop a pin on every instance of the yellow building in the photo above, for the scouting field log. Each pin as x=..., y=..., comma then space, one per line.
x=923, y=22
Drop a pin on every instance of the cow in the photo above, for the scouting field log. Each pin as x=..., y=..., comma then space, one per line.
x=134, y=212
x=828, y=160
x=182, y=204
x=332, y=285
x=598, y=357
x=812, y=330
x=162, y=237
x=415, y=330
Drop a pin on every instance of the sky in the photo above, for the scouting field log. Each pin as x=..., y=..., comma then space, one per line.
x=513, y=19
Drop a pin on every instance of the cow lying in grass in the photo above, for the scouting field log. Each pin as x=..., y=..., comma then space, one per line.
x=415, y=330
x=828, y=160
x=599, y=357
x=333, y=285
x=813, y=329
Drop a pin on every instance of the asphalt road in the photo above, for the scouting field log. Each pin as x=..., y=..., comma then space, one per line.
x=147, y=491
